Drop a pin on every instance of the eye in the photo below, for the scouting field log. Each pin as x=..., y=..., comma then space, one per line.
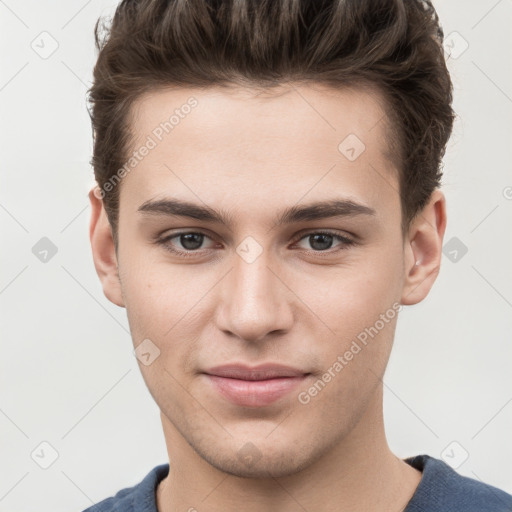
x=322, y=241
x=190, y=242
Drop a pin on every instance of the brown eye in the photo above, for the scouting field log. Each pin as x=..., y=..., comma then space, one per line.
x=186, y=243
x=191, y=241
x=322, y=241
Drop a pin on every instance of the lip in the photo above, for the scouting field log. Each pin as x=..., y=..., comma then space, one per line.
x=255, y=386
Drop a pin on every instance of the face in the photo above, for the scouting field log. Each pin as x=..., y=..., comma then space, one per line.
x=262, y=229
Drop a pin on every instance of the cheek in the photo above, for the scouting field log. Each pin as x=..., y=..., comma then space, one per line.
x=358, y=308
x=354, y=357
x=166, y=303
x=154, y=304
x=351, y=297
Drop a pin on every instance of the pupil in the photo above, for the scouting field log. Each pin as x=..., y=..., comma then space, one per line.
x=191, y=241
x=325, y=245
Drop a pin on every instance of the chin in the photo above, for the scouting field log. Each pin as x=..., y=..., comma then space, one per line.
x=251, y=462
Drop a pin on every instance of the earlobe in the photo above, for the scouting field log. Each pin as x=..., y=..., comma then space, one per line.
x=423, y=250
x=103, y=250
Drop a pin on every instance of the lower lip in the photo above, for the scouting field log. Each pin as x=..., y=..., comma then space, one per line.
x=255, y=393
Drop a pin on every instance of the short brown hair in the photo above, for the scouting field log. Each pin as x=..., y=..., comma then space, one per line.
x=394, y=45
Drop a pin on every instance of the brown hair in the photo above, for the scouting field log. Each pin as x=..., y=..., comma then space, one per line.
x=394, y=45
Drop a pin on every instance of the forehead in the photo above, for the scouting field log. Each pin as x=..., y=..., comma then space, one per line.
x=306, y=111
x=242, y=146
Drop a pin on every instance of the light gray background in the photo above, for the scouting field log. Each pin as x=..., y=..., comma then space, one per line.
x=67, y=373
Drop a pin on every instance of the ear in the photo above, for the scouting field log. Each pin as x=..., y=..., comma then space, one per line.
x=423, y=249
x=103, y=249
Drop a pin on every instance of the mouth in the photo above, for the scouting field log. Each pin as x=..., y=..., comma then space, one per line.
x=254, y=386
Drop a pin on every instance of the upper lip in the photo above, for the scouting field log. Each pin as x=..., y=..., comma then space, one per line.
x=260, y=372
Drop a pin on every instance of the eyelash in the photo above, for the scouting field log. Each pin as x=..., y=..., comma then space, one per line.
x=346, y=242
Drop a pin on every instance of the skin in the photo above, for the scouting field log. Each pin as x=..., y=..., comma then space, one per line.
x=252, y=155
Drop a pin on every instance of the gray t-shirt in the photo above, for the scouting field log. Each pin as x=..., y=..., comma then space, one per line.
x=441, y=489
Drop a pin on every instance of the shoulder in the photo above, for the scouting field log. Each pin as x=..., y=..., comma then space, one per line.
x=443, y=489
x=137, y=498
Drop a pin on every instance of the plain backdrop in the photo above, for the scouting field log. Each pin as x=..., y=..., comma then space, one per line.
x=68, y=377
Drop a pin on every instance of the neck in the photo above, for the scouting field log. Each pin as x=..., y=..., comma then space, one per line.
x=359, y=473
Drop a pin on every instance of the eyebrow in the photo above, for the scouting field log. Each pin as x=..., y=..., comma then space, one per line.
x=309, y=212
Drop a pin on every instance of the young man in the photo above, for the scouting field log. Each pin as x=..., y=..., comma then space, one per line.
x=267, y=200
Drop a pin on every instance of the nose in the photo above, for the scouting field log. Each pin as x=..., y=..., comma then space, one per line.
x=255, y=300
